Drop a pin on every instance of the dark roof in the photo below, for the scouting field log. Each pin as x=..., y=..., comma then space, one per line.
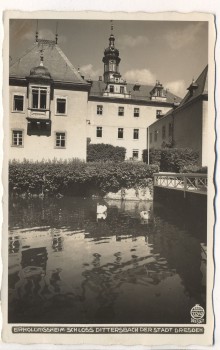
x=202, y=83
x=202, y=89
x=142, y=94
x=58, y=65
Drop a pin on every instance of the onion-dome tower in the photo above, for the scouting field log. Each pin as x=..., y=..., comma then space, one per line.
x=111, y=61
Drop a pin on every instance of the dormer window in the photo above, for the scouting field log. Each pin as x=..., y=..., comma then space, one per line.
x=111, y=88
x=39, y=98
x=122, y=89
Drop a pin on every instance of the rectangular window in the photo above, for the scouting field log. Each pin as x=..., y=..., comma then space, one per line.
x=120, y=133
x=170, y=129
x=122, y=89
x=111, y=88
x=155, y=135
x=18, y=103
x=158, y=113
x=136, y=112
x=135, y=153
x=17, y=138
x=39, y=98
x=163, y=132
x=61, y=106
x=60, y=139
x=136, y=134
x=121, y=111
x=99, y=131
x=99, y=110
x=151, y=137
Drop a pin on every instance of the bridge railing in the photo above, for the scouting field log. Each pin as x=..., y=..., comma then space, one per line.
x=182, y=181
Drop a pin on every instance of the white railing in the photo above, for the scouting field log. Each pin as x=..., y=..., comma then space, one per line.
x=185, y=182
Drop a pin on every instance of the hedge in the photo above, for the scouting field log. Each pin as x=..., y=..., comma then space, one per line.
x=77, y=178
x=105, y=152
x=195, y=169
x=172, y=159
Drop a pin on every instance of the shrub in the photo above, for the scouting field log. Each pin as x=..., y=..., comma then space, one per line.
x=105, y=152
x=172, y=159
x=195, y=169
x=77, y=178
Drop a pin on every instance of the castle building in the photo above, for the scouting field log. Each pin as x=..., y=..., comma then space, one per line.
x=120, y=112
x=186, y=124
x=48, y=105
x=54, y=111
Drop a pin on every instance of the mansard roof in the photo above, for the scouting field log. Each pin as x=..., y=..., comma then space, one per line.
x=202, y=88
x=142, y=94
x=60, y=68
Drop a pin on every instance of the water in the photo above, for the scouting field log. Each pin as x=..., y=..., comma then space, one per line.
x=65, y=266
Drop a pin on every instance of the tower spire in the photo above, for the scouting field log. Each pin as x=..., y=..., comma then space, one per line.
x=36, y=35
x=112, y=26
x=56, y=36
x=41, y=57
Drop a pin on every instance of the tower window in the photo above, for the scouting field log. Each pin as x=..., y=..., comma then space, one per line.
x=120, y=133
x=136, y=134
x=18, y=103
x=60, y=139
x=39, y=98
x=99, y=110
x=61, y=106
x=99, y=131
x=17, y=138
x=163, y=132
x=135, y=153
x=136, y=112
x=111, y=88
x=122, y=89
x=121, y=111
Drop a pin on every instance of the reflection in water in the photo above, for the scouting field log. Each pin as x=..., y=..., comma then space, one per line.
x=67, y=264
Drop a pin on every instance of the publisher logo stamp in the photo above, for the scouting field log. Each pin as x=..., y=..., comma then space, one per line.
x=197, y=314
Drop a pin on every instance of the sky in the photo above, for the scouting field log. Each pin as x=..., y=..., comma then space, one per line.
x=173, y=52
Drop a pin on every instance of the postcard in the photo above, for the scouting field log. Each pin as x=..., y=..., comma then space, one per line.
x=109, y=159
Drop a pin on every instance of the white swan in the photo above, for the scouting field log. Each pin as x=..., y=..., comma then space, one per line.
x=101, y=209
x=145, y=214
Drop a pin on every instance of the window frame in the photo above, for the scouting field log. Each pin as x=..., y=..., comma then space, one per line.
x=122, y=112
x=158, y=112
x=135, y=150
x=136, y=112
x=65, y=139
x=111, y=88
x=136, y=133
x=121, y=138
x=99, y=108
x=12, y=137
x=98, y=129
x=122, y=89
x=61, y=98
x=39, y=88
x=13, y=99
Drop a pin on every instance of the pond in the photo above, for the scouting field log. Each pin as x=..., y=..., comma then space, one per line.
x=68, y=266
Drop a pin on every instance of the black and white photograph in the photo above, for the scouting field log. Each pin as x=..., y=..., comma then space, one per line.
x=110, y=153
